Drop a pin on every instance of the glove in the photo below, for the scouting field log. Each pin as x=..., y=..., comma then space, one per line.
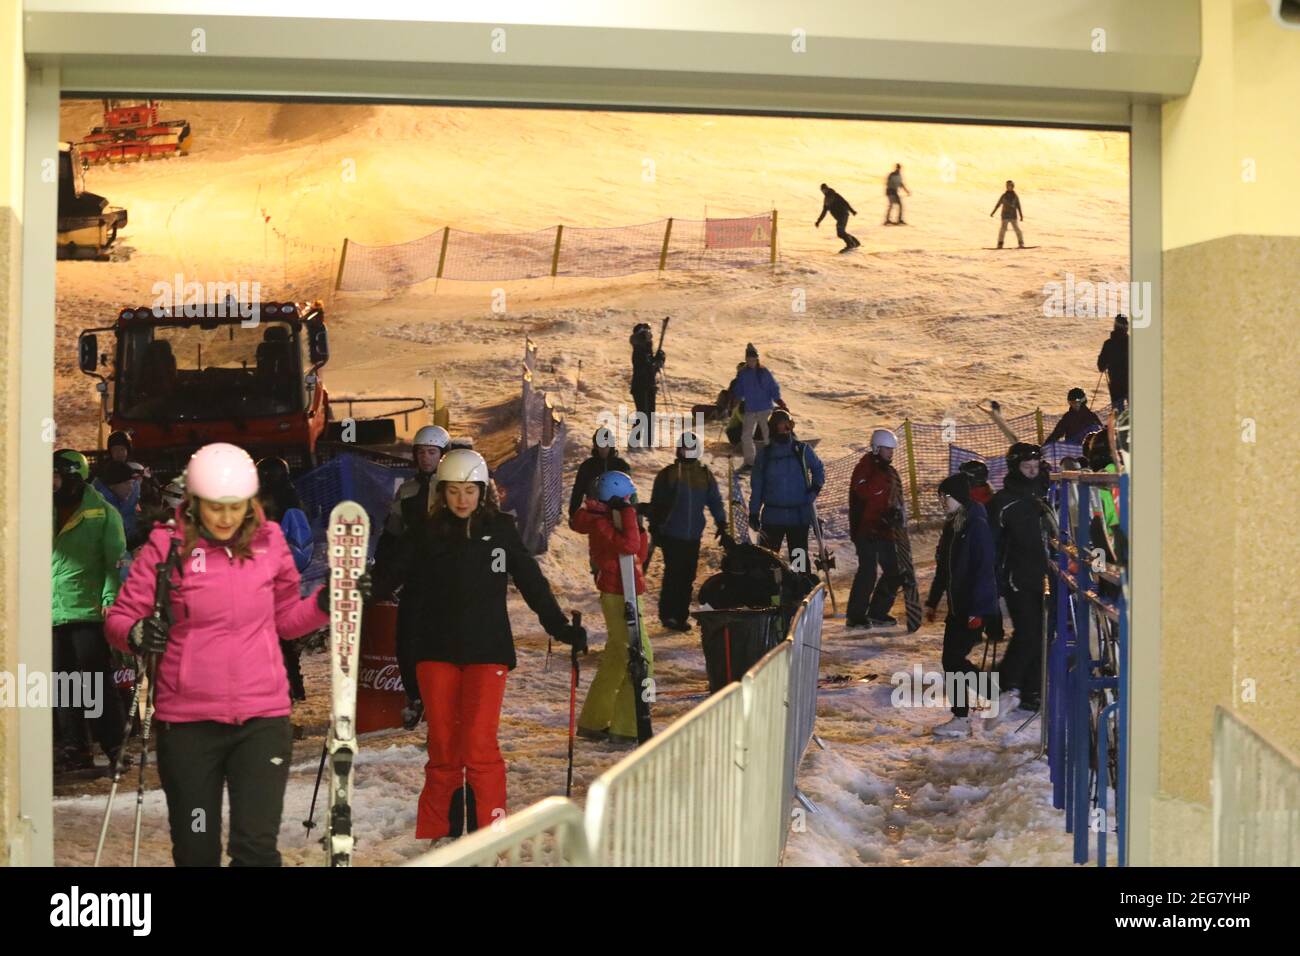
x=575, y=635
x=149, y=635
x=616, y=504
x=364, y=585
x=660, y=358
x=931, y=614
x=974, y=622
x=754, y=523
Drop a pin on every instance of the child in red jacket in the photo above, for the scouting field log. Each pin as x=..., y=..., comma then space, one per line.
x=609, y=519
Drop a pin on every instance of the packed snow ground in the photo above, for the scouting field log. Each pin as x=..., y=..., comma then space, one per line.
x=923, y=321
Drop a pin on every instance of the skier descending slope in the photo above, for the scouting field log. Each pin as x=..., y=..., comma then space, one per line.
x=222, y=695
x=609, y=517
x=462, y=558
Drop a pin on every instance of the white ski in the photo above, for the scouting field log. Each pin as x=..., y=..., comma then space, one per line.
x=348, y=537
x=638, y=672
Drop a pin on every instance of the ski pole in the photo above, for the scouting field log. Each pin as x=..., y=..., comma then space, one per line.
x=320, y=772
x=573, y=699
x=1097, y=387
x=145, y=726
x=117, y=763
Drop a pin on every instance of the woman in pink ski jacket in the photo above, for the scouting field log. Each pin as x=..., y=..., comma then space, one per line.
x=222, y=695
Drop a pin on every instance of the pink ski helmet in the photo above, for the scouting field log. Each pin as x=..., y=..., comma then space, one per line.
x=221, y=472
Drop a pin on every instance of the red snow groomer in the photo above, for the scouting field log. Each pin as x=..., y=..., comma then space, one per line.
x=132, y=132
x=248, y=374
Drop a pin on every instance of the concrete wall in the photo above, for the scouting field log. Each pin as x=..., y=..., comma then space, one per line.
x=12, y=73
x=1231, y=175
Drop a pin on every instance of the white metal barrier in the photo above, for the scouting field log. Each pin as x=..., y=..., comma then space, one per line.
x=549, y=833
x=1256, y=793
x=714, y=789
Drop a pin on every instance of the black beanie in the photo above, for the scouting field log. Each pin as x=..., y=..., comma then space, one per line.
x=956, y=486
x=750, y=351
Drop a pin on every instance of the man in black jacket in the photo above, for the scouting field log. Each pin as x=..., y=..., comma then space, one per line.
x=840, y=210
x=1016, y=515
x=603, y=459
x=1113, y=360
x=646, y=365
x=682, y=491
x=1078, y=420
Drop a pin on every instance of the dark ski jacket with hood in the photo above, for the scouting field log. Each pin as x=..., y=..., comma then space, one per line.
x=588, y=472
x=1073, y=425
x=1113, y=360
x=457, y=592
x=786, y=480
x=1017, y=521
x=681, y=492
x=963, y=566
x=646, y=363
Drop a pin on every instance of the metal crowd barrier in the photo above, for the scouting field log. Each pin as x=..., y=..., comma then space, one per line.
x=805, y=667
x=1256, y=794
x=1078, y=740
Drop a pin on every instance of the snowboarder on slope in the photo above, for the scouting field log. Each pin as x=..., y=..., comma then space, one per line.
x=222, y=697
x=1009, y=202
x=840, y=210
x=893, y=184
x=464, y=555
x=609, y=518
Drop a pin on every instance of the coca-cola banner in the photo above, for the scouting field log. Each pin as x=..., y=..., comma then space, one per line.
x=124, y=677
x=380, y=694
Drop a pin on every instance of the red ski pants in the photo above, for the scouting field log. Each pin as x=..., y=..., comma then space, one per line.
x=463, y=708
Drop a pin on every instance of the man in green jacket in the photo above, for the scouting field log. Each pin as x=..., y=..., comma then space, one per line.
x=88, y=544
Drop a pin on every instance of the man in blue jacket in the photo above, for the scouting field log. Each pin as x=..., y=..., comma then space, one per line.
x=116, y=484
x=787, y=478
x=964, y=571
x=682, y=491
x=756, y=387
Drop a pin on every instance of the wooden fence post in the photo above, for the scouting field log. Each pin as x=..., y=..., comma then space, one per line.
x=663, y=253
x=774, y=238
x=555, y=259
x=442, y=255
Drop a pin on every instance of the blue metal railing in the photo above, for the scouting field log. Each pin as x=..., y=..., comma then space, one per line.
x=1089, y=599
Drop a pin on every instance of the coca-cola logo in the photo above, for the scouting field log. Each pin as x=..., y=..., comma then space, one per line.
x=385, y=678
x=124, y=677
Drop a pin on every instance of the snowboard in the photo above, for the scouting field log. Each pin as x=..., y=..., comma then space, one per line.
x=636, y=663
x=1007, y=248
x=903, y=551
x=348, y=541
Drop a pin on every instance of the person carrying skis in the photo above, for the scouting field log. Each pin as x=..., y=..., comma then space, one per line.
x=406, y=515
x=609, y=519
x=88, y=545
x=840, y=210
x=756, y=387
x=280, y=503
x=1016, y=517
x=892, y=185
x=646, y=366
x=221, y=693
x=1009, y=203
x=873, y=517
x=603, y=458
x=788, y=477
x=964, y=573
x=1078, y=420
x=680, y=495
x=462, y=560
x=1113, y=360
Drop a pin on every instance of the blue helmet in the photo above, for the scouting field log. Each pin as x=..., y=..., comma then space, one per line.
x=613, y=484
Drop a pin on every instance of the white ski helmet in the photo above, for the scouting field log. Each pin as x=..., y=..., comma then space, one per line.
x=883, y=438
x=434, y=435
x=221, y=472
x=463, y=464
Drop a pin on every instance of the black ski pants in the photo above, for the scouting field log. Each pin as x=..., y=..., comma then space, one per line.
x=869, y=596
x=842, y=230
x=681, y=561
x=251, y=760
x=643, y=397
x=796, y=538
x=958, y=639
x=1022, y=666
x=80, y=648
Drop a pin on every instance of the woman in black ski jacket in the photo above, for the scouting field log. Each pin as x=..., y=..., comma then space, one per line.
x=463, y=643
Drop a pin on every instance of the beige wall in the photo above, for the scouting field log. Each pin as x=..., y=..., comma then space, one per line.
x=1230, y=353
x=11, y=187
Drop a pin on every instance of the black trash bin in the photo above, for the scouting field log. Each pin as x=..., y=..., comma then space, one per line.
x=735, y=640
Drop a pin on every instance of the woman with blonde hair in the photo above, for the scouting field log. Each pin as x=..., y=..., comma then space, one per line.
x=221, y=693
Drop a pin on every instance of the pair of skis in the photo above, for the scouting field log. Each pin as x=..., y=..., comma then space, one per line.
x=637, y=668
x=348, y=547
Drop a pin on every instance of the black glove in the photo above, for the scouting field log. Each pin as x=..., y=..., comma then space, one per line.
x=754, y=523
x=149, y=635
x=575, y=635
x=364, y=585
x=660, y=358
